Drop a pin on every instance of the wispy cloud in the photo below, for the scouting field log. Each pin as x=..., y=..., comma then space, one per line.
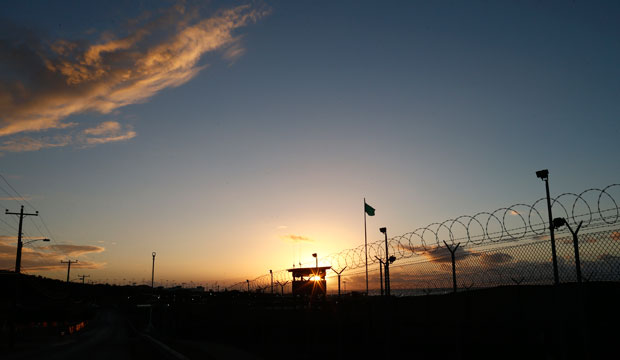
x=296, y=238
x=47, y=257
x=79, y=76
x=74, y=250
x=26, y=143
x=438, y=254
x=15, y=198
x=107, y=131
x=490, y=259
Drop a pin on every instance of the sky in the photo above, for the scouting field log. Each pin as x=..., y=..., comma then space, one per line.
x=236, y=137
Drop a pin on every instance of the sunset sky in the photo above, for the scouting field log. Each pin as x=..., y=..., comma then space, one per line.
x=237, y=137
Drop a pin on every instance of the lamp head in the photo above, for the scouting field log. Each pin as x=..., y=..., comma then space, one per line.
x=383, y=230
x=558, y=222
x=314, y=255
x=154, y=253
x=392, y=259
x=542, y=174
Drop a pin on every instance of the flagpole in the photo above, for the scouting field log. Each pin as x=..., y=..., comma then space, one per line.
x=366, y=246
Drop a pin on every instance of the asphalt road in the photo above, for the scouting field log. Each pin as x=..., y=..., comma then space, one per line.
x=108, y=336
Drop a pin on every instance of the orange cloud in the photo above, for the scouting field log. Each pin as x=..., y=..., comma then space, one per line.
x=297, y=238
x=46, y=257
x=107, y=131
x=75, y=250
x=15, y=198
x=73, y=77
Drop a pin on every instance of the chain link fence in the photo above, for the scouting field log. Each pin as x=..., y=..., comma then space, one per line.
x=429, y=271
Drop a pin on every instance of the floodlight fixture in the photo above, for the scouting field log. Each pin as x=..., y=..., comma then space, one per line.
x=559, y=222
x=392, y=259
x=383, y=230
x=33, y=240
x=543, y=174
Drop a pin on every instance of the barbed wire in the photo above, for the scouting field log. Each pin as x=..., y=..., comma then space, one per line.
x=594, y=207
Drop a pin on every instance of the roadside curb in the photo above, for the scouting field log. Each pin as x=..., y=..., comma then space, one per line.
x=169, y=352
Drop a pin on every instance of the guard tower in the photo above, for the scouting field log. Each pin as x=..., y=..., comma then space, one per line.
x=309, y=281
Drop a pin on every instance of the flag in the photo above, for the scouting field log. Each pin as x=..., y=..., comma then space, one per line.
x=369, y=210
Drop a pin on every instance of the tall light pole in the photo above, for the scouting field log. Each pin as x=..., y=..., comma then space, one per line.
x=544, y=176
x=271, y=273
x=18, y=257
x=381, y=266
x=387, y=263
x=153, y=271
x=316, y=271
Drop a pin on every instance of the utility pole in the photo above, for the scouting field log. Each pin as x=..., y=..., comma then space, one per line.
x=153, y=271
x=68, y=266
x=18, y=257
x=83, y=277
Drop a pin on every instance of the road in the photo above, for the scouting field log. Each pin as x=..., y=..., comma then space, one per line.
x=108, y=336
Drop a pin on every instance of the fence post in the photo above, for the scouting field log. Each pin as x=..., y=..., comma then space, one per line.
x=576, y=247
x=452, y=252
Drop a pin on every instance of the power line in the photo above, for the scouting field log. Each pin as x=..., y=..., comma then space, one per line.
x=9, y=225
x=18, y=194
x=49, y=233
